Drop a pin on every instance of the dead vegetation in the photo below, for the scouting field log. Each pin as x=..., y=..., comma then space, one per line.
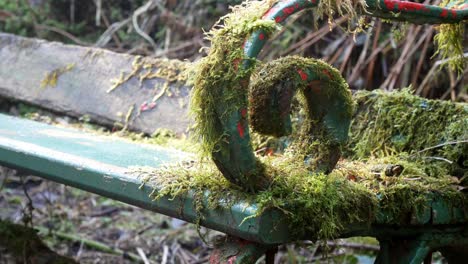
x=388, y=55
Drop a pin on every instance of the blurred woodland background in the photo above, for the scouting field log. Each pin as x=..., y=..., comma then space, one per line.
x=93, y=229
x=386, y=55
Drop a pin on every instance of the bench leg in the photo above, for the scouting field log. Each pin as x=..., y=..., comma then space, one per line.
x=455, y=254
x=232, y=250
x=453, y=246
x=395, y=251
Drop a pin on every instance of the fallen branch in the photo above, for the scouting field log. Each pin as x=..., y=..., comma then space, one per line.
x=63, y=33
x=89, y=243
x=442, y=145
x=136, y=14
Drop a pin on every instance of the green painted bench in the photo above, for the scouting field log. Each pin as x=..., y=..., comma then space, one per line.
x=102, y=165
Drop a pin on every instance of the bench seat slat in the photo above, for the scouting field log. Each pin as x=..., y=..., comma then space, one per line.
x=99, y=164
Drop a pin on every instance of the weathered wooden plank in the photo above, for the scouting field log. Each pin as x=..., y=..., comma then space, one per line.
x=76, y=80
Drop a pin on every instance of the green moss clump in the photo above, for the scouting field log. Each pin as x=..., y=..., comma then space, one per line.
x=222, y=67
x=331, y=8
x=387, y=124
x=26, y=247
x=449, y=42
x=326, y=100
x=320, y=207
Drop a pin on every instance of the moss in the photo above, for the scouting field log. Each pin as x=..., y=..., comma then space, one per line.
x=326, y=101
x=322, y=206
x=359, y=189
x=26, y=247
x=331, y=8
x=220, y=68
x=390, y=123
x=449, y=42
x=221, y=88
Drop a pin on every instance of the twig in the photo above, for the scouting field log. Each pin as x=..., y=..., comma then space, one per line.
x=421, y=58
x=146, y=228
x=370, y=71
x=358, y=66
x=105, y=212
x=98, y=12
x=376, y=52
x=353, y=245
x=80, y=251
x=431, y=72
x=142, y=255
x=161, y=92
x=408, y=50
x=128, y=116
x=29, y=218
x=338, y=52
x=314, y=37
x=442, y=145
x=458, y=80
x=63, y=33
x=347, y=55
x=267, y=49
x=110, y=31
x=89, y=243
x=439, y=158
x=140, y=32
x=165, y=254
x=114, y=36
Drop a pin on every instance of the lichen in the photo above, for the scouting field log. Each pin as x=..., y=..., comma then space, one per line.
x=50, y=78
x=145, y=68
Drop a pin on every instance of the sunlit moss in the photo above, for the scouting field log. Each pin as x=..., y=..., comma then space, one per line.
x=386, y=124
x=449, y=41
x=326, y=102
x=220, y=68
